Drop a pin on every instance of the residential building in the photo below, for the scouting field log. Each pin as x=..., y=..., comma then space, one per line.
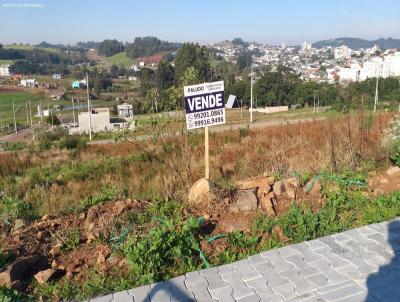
x=342, y=52
x=125, y=110
x=30, y=83
x=5, y=70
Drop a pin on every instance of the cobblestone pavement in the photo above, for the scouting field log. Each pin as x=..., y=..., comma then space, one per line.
x=357, y=265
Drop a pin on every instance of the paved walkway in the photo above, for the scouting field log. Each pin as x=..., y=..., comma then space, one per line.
x=356, y=265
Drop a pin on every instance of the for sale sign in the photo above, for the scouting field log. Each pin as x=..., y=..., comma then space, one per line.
x=204, y=105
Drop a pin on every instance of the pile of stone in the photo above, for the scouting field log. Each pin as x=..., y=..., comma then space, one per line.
x=257, y=194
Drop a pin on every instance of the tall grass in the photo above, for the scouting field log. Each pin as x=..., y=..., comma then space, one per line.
x=165, y=167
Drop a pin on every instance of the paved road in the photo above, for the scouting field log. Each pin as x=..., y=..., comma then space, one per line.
x=260, y=124
x=357, y=265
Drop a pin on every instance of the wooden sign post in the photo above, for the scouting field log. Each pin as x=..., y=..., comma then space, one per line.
x=205, y=107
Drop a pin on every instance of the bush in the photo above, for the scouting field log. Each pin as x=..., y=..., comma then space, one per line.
x=11, y=209
x=165, y=249
x=72, y=142
x=10, y=295
x=395, y=152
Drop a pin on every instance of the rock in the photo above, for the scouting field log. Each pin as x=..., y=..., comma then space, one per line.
x=22, y=269
x=119, y=207
x=234, y=208
x=255, y=183
x=46, y=217
x=267, y=204
x=313, y=187
x=240, y=224
x=291, y=193
x=246, y=200
x=18, y=224
x=383, y=180
x=102, y=256
x=48, y=275
x=393, y=170
x=91, y=217
x=293, y=182
x=17, y=285
x=202, y=191
x=378, y=192
x=54, y=264
x=55, y=250
x=279, y=188
x=206, y=217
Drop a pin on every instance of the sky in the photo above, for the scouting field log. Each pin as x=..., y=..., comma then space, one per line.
x=266, y=21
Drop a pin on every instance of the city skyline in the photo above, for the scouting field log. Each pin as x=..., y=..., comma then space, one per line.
x=209, y=21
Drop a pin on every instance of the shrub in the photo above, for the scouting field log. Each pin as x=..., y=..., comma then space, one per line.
x=170, y=246
x=395, y=152
x=11, y=209
x=72, y=142
x=10, y=295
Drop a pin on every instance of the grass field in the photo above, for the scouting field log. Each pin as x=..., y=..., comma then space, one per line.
x=20, y=99
x=120, y=59
x=30, y=47
x=6, y=62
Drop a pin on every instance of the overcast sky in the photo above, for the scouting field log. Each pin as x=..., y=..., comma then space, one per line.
x=265, y=21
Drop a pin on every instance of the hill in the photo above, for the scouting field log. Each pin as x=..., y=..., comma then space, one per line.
x=356, y=43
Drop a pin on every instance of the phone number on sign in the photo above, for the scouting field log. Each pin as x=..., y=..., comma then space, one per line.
x=205, y=114
x=209, y=121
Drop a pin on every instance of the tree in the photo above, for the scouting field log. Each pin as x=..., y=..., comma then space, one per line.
x=109, y=48
x=147, y=46
x=192, y=55
x=244, y=59
x=164, y=75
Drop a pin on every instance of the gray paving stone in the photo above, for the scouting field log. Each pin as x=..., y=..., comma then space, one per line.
x=278, y=263
x=304, y=268
x=305, y=252
x=257, y=259
x=315, y=244
x=341, y=237
x=286, y=290
x=227, y=269
x=359, y=297
x=160, y=292
x=333, y=259
x=340, y=291
x=178, y=290
x=246, y=270
x=319, y=279
x=213, y=278
x=332, y=275
x=122, y=296
x=223, y=294
x=287, y=251
x=239, y=287
x=263, y=290
x=272, y=277
x=252, y=298
x=195, y=281
x=140, y=294
x=309, y=297
x=107, y=298
x=301, y=285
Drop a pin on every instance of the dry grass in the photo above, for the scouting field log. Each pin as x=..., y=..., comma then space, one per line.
x=165, y=167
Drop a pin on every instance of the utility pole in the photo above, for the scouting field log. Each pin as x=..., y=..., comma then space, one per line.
x=15, y=122
x=30, y=112
x=251, y=95
x=314, y=103
x=27, y=114
x=73, y=110
x=318, y=105
x=376, y=94
x=89, y=109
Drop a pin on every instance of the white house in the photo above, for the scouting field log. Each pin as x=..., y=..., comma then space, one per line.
x=125, y=110
x=342, y=52
x=5, y=70
x=28, y=83
x=100, y=121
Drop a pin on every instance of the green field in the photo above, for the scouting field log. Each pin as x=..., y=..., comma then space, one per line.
x=30, y=47
x=20, y=99
x=120, y=59
x=6, y=62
